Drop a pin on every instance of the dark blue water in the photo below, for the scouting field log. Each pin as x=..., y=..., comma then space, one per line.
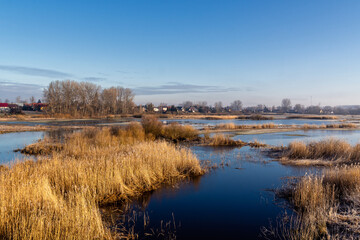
x=230, y=202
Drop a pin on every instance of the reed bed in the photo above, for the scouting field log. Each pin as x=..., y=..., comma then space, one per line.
x=328, y=149
x=256, y=117
x=219, y=140
x=233, y=126
x=21, y=128
x=58, y=196
x=174, y=131
x=327, y=206
x=316, y=117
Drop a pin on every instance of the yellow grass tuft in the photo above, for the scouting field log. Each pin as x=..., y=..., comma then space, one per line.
x=223, y=140
x=327, y=205
x=58, y=196
x=327, y=149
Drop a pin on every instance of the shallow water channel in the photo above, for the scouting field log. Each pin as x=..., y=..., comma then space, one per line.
x=232, y=201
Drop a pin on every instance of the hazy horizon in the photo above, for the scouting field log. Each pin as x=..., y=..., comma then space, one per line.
x=172, y=51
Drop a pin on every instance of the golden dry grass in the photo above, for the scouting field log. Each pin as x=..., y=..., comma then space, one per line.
x=327, y=205
x=21, y=128
x=58, y=196
x=233, y=126
x=224, y=140
x=318, y=117
x=327, y=149
x=174, y=131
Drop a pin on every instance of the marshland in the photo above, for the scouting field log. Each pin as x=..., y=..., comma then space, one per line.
x=151, y=178
x=207, y=119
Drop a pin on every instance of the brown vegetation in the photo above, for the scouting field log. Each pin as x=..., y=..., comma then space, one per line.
x=174, y=131
x=223, y=140
x=87, y=99
x=329, y=149
x=21, y=128
x=58, y=196
x=233, y=126
x=256, y=117
x=41, y=147
x=327, y=206
x=318, y=117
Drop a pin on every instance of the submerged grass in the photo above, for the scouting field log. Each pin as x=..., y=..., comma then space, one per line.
x=58, y=196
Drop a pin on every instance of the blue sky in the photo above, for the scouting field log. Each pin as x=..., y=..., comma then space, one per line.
x=258, y=51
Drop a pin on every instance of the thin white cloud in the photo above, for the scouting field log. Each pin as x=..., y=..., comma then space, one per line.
x=30, y=71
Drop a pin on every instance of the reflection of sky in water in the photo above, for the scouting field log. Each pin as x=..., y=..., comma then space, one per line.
x=226, y=203
x=284, y=138
x=11, y=141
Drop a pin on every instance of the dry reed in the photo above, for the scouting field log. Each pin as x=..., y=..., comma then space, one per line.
x=223, y=140
x=328, y=149
x=58, y=196
x=327, y=206
x=174, y=132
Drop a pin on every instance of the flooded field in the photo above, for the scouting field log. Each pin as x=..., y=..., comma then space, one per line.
x=233, y=201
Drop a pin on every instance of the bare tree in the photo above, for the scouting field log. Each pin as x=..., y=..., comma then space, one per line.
x=187, y=104
x=236, y=106
x=32, y=99
x=286, y=104
x=87, y=99
x=218, y=106
x=299, y=108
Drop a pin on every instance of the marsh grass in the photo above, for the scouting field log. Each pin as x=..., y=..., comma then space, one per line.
x=233, y=126
x=42, y=147
x=328, y=149
x=224, y=140
x=327, y=206
x=58, y=196
x=317, y=117
x=256, y=117
x=174, y=131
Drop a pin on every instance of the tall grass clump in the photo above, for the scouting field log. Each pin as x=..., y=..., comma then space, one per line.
x=326, y=205
x=174, y=131
x=327, y=149
x=58, y=196
x=223, y=140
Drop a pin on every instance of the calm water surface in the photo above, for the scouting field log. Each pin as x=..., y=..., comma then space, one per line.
x=11, y=141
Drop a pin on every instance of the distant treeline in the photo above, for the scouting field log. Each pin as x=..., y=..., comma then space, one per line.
x=87, y=99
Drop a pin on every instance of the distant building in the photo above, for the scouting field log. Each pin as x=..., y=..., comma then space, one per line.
x=4, y=108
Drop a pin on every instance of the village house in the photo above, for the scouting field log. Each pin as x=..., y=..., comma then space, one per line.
x=4, y=108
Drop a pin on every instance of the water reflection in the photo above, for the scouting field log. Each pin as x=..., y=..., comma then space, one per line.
x=11, y=141
x=231, y=202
